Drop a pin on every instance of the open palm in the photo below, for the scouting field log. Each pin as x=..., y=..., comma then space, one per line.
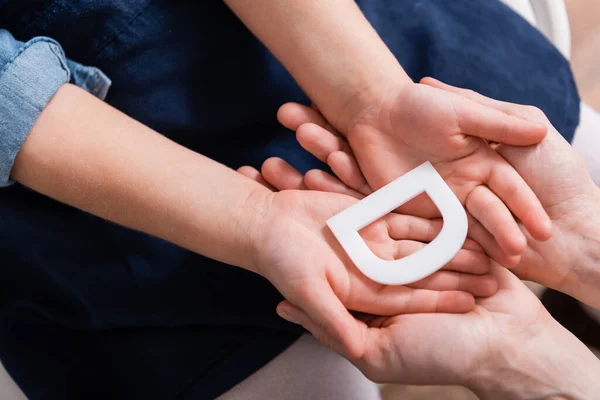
x=558, y=175
x=449, y=349
x=423, y=123
x=302, y=258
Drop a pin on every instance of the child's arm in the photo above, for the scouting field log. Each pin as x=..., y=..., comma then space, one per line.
x=330, y=49
x=392, y=124
x=87, y=154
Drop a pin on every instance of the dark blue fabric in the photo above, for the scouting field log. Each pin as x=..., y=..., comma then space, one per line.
x=92, y=310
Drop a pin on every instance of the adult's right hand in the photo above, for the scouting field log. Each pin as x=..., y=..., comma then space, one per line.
x=569, y=261
x=508, y=347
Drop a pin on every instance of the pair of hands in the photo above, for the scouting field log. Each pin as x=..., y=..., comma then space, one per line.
x=303, y=260
x=555, y=173
x=390, y=347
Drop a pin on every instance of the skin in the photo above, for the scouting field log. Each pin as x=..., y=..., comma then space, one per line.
x=86, y=154
x=508, y=346
x=558, y=176
x=392, y=125
x=553, y=169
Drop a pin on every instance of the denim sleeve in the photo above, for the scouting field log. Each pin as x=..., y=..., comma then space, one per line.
x=30, y=74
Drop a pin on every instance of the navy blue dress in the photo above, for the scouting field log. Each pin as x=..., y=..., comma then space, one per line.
x=91, y=310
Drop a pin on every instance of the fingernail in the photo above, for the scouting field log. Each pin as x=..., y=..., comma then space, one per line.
x=285, y=315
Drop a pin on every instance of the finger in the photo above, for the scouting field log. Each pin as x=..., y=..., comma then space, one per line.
x=481, y=120
x=402, y=227
x=530, y=113
x=291, y=313
x=322, y=181
x=493, y=214
x=252, y=173
x=409, y=231
x=491, y=124
x=470, y=94
x=292, y=115
x=319, y=142
x=477, y=285
x=345, y=167
x=482, y=236
x=407, y=227
x=282, y=175
x=394, y=300
x=472, y=245
x=470, y=262
x=510, y=187
x=466, y=261
x=318, y=300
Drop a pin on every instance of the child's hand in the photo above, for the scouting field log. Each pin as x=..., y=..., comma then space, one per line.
x=301, y=257
x=424, y=123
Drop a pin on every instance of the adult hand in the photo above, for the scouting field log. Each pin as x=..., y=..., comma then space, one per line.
x=558, y=176
x=508, y=347
x=299, y=255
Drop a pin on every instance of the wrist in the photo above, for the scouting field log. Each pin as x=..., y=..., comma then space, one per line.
x=255, y=213
x=366, y=100
x=553, y=365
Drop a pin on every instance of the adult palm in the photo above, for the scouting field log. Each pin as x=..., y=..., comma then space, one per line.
x=560, y=179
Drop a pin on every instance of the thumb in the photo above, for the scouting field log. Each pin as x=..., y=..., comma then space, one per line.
x=293, y=314
x=490, y=119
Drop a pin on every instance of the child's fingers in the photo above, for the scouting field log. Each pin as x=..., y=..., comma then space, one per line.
x=320, y=142
x=472, y=245
x=466, y=261
x=477, y=285
x=282, y=175
x=345, y=167
x=493, y=214
x=407, y=227
x=394, y=300
x=470, y=94
x=477, y=120
x=252, y=173
x=489, y=119
x=292, y=115
x=482, y=236
x=512, y=189
x=470, y=262
x=317, y=179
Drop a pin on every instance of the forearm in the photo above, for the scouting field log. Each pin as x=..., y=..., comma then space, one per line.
x=329, y=48
x=555, y=366
x=87, y=154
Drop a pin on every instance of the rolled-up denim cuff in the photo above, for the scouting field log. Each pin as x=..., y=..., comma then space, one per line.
x=89, y=78
x=27, y=83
